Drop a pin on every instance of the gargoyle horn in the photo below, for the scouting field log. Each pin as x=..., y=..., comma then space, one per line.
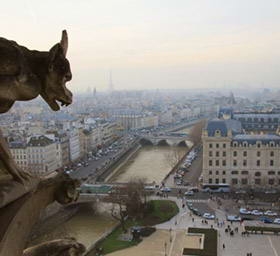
x=64, y=42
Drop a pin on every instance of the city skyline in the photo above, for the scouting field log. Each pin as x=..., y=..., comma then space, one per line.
x=155, y=44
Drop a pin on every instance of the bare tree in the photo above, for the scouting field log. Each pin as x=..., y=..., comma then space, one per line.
x=128, y=201
x=118, y=209
x=196, y=132
x=174, y=156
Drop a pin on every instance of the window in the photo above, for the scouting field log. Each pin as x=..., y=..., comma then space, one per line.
x=258, y=153
x=258, y=144
x=224, y=163
x=245, y=144
x=271, y=153
x=271, y=144
x=217, y=181
x=217, y=163
x=257, y=174
x=224, y=172
x=271, y=181
x=224, y=180
x=210, y=153
x=217, y=145
x=244, y=172
x=244, y=162
x=224, y=153
x=217, y=172
x=234, y=163
x=244, y=181
x=210, y=172
x=234, y=153
x=257, y=181
x=271, y=162
x=217, y=153
x=210, y=181
x=224, y=145
x=234, y=181
x=210, y=145
x=271, y=173
x=244, y=153
x=258, y=162
x=210, y=162
x=234, y=172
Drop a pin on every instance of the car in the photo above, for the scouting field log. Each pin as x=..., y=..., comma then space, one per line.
x=194, y=189
x=165, y=189
x=266, y=219
x=256, y=212
x=276, y=221
x=196, y=211
x=244, y=211
x=149, y=187
x=208, y=216
x=240, y=192
x=272, y=191
x=233, y=218
x=189, y=193
x=270, y=213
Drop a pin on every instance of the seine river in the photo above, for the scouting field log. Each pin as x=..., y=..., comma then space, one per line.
x=150, y=162
x=86, y=226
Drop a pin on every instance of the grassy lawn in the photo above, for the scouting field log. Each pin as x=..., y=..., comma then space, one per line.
x=210, y=243
x=111, y=242
x=161, y=211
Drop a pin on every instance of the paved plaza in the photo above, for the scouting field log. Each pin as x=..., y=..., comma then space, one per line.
x=237, y=245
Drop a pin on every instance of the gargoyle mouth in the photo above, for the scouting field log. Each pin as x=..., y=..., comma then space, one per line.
x=53, y=103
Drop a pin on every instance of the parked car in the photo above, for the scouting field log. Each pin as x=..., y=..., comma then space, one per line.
x=256, y=212
x=189, y=193
x=233, y=218
x=270, y=213
x=266, y=219
x=244, y=211
x=165, y=189
x=208, y=216
x=277, y=221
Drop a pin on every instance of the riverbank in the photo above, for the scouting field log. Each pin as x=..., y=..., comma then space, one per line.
x=118, y=165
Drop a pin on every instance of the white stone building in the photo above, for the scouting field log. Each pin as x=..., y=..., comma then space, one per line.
x=241, y=160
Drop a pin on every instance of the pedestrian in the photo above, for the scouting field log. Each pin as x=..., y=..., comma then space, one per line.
x=224, y=247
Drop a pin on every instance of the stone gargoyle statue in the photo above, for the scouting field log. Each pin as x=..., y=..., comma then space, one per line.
x=24, y=75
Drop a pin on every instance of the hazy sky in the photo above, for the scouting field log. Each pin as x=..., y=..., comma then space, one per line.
x=155, y=43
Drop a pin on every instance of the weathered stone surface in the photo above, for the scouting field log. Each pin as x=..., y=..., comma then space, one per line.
x=24, y=75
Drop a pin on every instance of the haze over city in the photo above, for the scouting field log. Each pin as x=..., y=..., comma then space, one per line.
x=155, y=44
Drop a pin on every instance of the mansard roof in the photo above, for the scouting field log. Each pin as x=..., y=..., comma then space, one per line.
x=254, y=138
x=223, y=126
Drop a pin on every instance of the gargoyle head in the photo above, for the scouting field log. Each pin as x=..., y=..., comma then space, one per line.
x=58, y=74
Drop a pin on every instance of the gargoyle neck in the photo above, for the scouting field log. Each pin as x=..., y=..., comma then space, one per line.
x=38, y=63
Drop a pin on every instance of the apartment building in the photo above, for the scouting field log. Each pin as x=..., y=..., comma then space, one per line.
x=242, y=160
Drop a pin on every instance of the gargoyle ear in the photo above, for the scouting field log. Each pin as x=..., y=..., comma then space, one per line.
x=64, y=42
x=54, y=52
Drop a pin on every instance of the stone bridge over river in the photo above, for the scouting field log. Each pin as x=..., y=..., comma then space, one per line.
x=165, y=140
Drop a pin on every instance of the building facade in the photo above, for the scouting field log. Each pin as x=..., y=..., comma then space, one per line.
x=241, y=160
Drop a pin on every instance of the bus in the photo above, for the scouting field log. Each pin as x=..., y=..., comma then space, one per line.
x=216, y=188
